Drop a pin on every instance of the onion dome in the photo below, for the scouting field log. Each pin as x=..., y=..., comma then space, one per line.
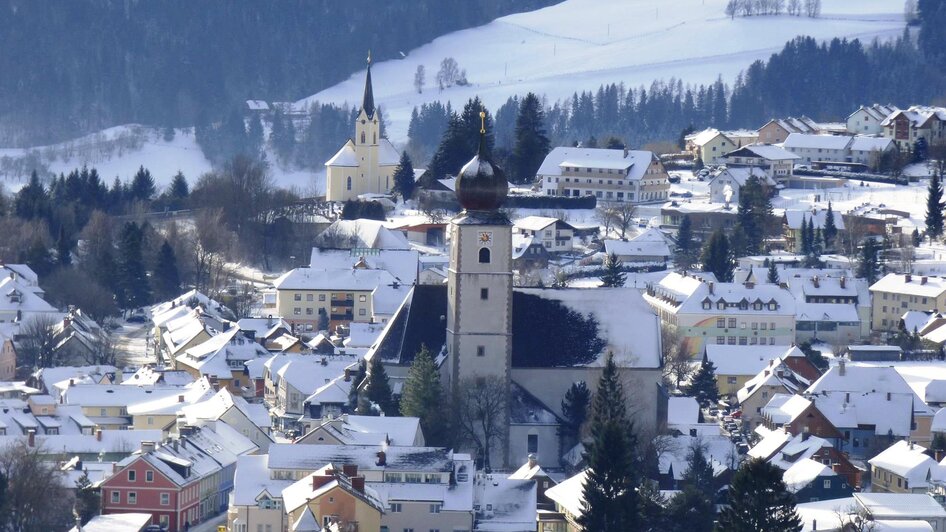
x=481, y=185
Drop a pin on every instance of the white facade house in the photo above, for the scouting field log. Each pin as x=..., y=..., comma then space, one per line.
x=553, y=234
x=725, y=184
x=775, y=160
x=867, y=120
x=859, y=149
x=611, y=175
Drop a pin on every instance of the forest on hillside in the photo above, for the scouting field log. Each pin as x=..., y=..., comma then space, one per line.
x=71, y=67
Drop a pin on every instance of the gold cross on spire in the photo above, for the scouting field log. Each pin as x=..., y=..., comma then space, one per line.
x=483, y=122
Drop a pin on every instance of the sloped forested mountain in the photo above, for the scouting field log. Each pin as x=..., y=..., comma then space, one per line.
x=68, y=67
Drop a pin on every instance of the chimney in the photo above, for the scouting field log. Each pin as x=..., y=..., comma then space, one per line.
x=626, y=152
x=382, y=458
x=766, y=373
x=814, y=281
x=805, y=435
x=924, y=279
x=98, y=434
x=841, y=370
x=938, y=455
x=78, y=465
x=147, y=447
x=350, y=470
x=180, y=398
x=31, y=434
x=888, y=398
x=66, y=321
x=907, y=278
x=358, y=483
x=532, y=461
x=843, y=281
x=711, y=286
x=750, y=285
x=847, y=397
x=911, y=441
x=320, y=480
x=347, y=375
x=72, y=382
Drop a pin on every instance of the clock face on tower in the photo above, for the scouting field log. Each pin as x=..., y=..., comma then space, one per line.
x=486, y=238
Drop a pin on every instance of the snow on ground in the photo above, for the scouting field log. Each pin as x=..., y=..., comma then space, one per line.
x=580, y=44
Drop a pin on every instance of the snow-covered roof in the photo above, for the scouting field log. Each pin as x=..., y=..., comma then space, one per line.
x=777, y=374
x=907, y=460
x=853, y=409
x=689, y=294
x=535, y=223
x=682, y=410
x=569, y=494
x=220, y=355
x=770, y=443
x=918, y=115
x=804, y=472
x=401, y=263
x=257, y=105
x=784, y=408
x=900, y=505
x=307, y=373
x=769, y=152
x=286, y=456
x=650, y=243
x=512, y=503
x=173, y=403
x=152, y=375
x=632, y=165
x=925, y=286
x=808, y=141
x=868, y=144
x=361, y=233
x=702, y=137
x=346, y=156
x=252, y=479
x=208, y=306
x=115, y=522
x=353, y=280
x=744, y=359
x=108, y=395
x=15, y=296
x=742, y=174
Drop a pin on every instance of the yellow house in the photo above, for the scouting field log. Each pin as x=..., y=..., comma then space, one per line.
x=365, y=164
x=738, y=364
x=895, y=294
x=332, y=496
x=904, y=467
x=222, y=359
x=709, y=144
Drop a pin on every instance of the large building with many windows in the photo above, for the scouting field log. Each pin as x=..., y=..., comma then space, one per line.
x=895, y=294
x=610, y=175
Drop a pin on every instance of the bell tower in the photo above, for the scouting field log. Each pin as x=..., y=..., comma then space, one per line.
x=479, y=311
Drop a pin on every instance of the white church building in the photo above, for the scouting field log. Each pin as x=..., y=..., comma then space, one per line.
x=366, y=163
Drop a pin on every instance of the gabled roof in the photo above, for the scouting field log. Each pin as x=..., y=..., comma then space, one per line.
x=907, y=460
x=353, y=280
x=742, y=174
x=794, y=218
x=632, y=165
x=807, y=141
x=769, y=152
x=361, y=233
x=538, y=223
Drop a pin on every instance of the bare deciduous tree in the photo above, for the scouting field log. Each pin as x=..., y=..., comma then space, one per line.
x=37, y=344
x=678, y=365
x=605, y=215
x=449, y=73
x=480, y=414
x=794, y=7
x=36, y=498
x=624, y=213
x=419, y=79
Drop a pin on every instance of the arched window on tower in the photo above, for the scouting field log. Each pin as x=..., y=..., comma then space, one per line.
x=349, y=183
x=362, y=137
x=484, y=255
x=374, y=138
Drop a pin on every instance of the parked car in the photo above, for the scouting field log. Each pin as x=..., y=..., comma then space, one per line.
x=137, y=318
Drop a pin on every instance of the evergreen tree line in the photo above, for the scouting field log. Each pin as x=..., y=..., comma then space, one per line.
x=179, y=63
x=824, y=81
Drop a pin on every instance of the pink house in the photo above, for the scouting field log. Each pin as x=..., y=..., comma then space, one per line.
x=155, y=482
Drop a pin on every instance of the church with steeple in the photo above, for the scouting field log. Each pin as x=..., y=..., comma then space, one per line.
x=366, y=163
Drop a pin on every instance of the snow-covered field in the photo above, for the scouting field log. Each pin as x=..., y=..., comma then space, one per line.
x=572, y=46
x=580, y=44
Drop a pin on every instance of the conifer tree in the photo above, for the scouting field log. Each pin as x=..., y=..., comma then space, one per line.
x=685, y=253
x=868, y=266
x=282, y=135
x=378, y=390
x=772, y=277
x=166, y=278
x=934, y=207
x=717, y=257
x=611, y=501
x=575, y=408
x=88, y=501
x=357, y=379
x=132, y=281
x=830, y=231
x=404, y=177
x=32, y=201
x=451, y=154
x=179, y=187
x=759, y=500
x=613, y=275
x=142, y=185
x=692, y=508
x=422, y=397
x=532, y=143
x=255, y=137
x=704, y=386
x=63, y=248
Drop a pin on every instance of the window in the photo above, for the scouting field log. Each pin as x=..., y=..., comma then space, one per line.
x=116, y=497
x=297, y=297
x=132, y=497
x=765, y=326
x=731, y=340
x=480, y=351
x=732, y=323
x=772, y=326
x=296, y=311
x=720, y=323
x=720, y=340
x=827, y=484
x=435, y=508
x=533, y=443
x=321, y=297
x=362, y=298
x=348, y=184
x=742, y=340
x=362, y=312
x=484, y=255
x=413, y=478
x=730, y=380
x=132, y=475
x=149, y=476
x=484, y=293
x=165, y=499
x=395, y=507
x=308, y=311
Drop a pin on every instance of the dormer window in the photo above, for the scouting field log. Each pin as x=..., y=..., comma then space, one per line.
x=721, y=305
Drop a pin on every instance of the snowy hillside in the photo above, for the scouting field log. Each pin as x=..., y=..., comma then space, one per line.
x=581, y=44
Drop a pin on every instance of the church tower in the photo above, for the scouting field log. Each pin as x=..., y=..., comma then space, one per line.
x=366, y=163
x=479, y=311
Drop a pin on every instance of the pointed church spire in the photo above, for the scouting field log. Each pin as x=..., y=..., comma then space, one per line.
x=367, y=103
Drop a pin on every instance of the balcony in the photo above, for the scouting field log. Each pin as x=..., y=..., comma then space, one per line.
x=343, y=317
x=343, y=302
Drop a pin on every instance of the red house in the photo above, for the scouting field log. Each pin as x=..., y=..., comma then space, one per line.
x=156, y=482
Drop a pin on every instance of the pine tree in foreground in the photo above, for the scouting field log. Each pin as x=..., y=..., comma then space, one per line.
x=830, y=231
x=685, y=253
x=717, y=257
x=404, y=177
x=422, y=397
x=704, y=386
x=772, y=276
x=934, y=208
x=611, y=501
x=759, y=500
x=378, y=389
x=613, y=275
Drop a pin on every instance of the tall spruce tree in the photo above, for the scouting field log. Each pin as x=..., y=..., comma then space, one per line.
x=868, y=267
x=142, y=185
x=613, y=275
x=717, y=257
x=532, y=143
x=451, y=154
x=32, y=201
x=759, y=500
x=685, y=253
x=357, y=379
x=754, y=214
x=610, y=497
x=179, y=189
x=166, y=279
x=63, y=248
x=133, y=284
x=378, y=390
x=692, y=508
x=404, y=177
x=422, y=397
x=934, y=207
x=772, y=276
x=830, y=230
x=575, y=408
x=703, y=386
